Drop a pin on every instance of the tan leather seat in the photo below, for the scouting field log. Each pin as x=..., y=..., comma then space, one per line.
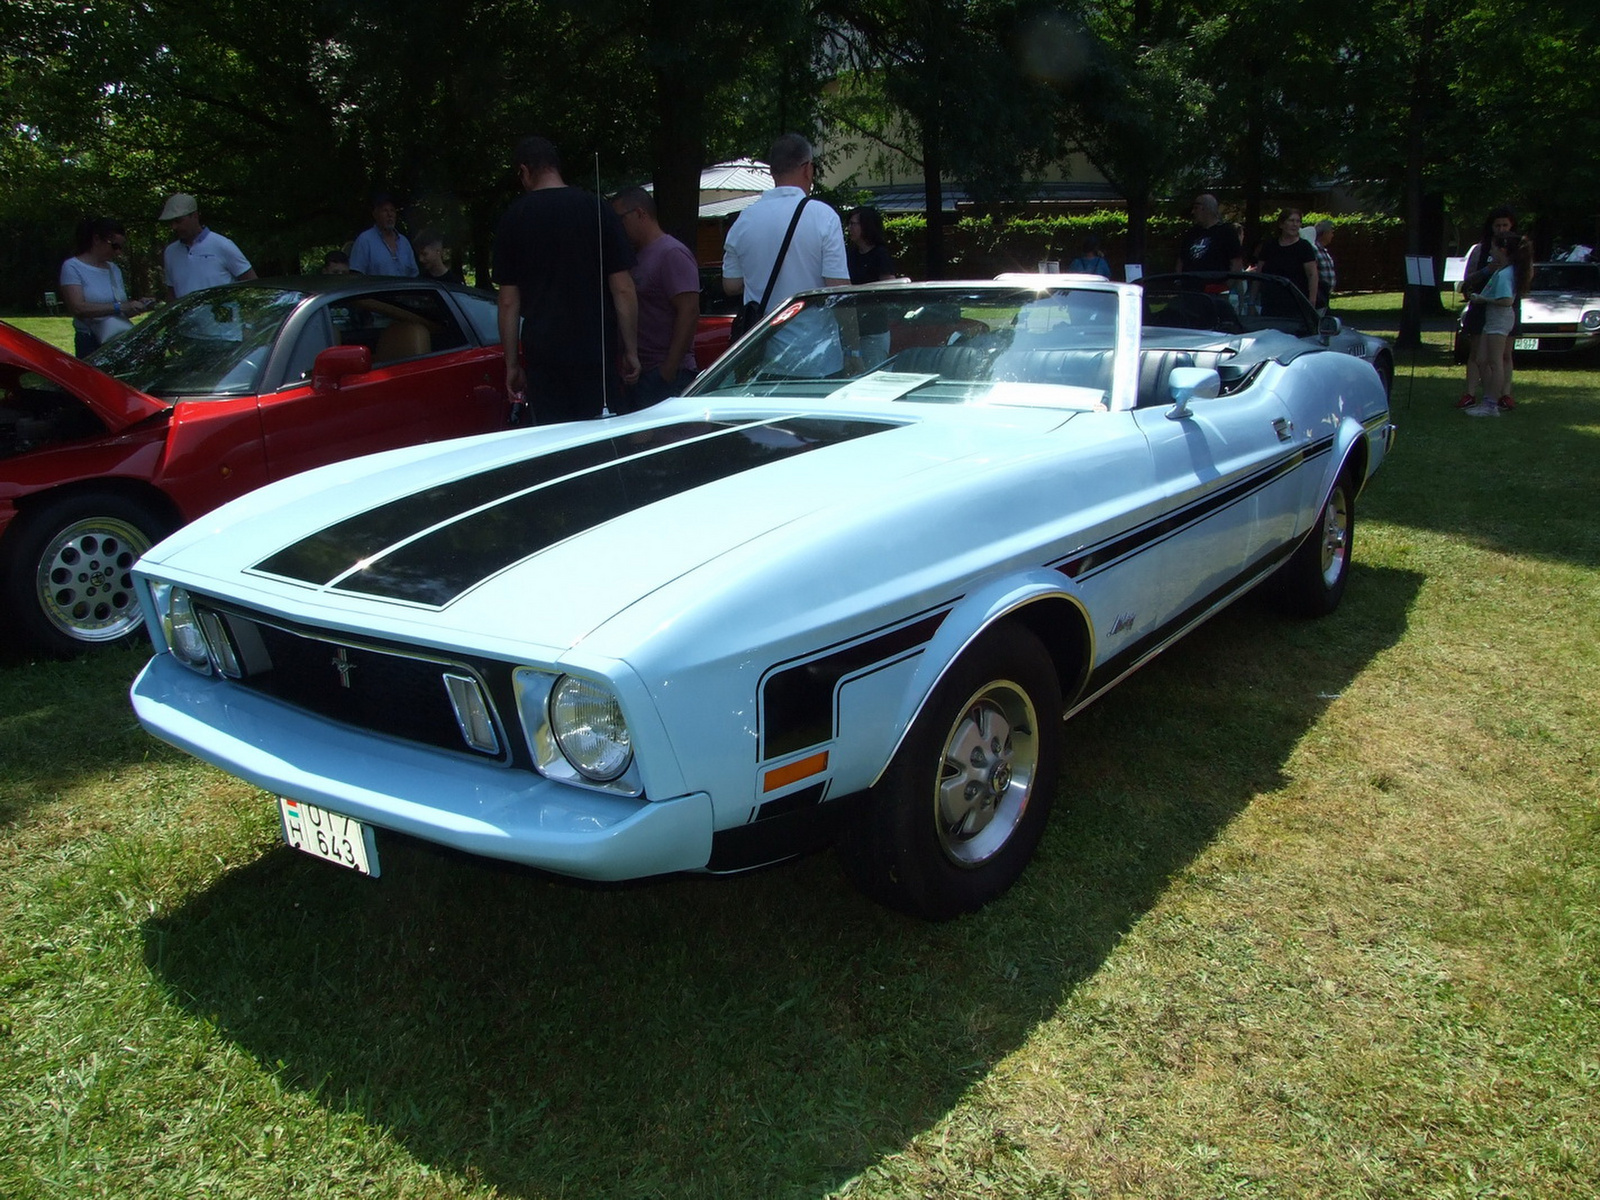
x=402, y=339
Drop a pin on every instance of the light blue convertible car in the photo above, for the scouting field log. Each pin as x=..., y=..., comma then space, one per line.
x=846, y=589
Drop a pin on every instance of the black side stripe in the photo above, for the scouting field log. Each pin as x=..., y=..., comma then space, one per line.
x=1129, y=656
x=797, y=700
x=479, y=526
x=1095, y=558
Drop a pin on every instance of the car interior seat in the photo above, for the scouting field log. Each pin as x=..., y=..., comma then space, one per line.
x=402, y=339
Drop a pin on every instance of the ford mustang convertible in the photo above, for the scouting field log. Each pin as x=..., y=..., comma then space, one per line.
x=812, y=600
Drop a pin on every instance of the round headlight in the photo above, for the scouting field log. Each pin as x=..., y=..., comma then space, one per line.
x=588, y=724
x=1591, y=320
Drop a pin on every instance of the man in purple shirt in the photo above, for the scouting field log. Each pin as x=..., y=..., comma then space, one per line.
x=667, y=280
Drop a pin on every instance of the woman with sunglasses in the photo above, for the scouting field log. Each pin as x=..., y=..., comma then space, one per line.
x=92, y=287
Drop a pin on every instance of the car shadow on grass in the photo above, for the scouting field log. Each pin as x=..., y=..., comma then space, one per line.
x=768, y=1034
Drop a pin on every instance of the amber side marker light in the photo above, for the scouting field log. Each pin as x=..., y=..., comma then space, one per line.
x=811, y=764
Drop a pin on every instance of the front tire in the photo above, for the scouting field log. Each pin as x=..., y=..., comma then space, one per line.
x=962, y=807
x=68, y=582
x=1312, y=582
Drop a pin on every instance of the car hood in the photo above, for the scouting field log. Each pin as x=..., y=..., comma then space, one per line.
x=511, y=540
x=114, y=402
x=1553, y=305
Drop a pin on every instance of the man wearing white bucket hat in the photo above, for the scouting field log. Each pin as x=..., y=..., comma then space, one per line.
x=197, y=257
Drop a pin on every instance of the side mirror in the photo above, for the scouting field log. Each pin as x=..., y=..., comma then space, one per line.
x=1191, y=383
x=334, y=363
x=1328, y=328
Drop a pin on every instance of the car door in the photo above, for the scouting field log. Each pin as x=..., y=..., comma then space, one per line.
x=431, y=379
x=1228, y=468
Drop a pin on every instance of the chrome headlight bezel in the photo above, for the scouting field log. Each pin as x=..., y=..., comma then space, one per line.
x=180, y=626
x=196, y=636
x=557, y=754
x=1590, y=321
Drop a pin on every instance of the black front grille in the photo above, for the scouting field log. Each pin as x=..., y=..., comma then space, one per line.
x=386, y=690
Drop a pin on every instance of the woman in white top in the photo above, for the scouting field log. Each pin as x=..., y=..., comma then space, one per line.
x=92, y=287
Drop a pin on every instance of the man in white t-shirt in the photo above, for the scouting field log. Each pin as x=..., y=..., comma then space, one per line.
x=197, y=258
x=815, y=257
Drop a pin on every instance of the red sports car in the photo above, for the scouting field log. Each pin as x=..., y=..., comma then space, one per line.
x=207, y=399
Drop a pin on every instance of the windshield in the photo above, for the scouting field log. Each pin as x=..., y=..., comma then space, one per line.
x=211, y=343
x=975, y=345
x=1227, y=302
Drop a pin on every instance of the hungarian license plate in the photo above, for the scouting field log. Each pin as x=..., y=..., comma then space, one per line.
x=1525, y=344
x=331, y=836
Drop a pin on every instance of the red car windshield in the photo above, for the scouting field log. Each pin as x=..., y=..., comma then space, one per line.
x=213, y=343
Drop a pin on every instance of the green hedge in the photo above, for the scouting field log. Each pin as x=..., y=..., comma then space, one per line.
x=1367, y=247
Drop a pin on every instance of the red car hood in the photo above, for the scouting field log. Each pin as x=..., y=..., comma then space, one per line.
x=113, y=401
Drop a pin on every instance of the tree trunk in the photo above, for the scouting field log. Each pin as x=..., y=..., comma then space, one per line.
x=933, y=201
x=677, y=155
x=1410, y=332
x=1138, y=229
x=678, y=146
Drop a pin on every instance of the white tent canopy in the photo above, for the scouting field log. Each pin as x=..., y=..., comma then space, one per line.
x=730, y=187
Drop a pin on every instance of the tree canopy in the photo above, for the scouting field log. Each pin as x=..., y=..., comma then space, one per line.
x=283, y=116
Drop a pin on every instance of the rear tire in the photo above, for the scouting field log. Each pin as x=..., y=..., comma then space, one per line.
x=66, y=572
x=1385, y=367
x=961, y=809
x=1312, y=582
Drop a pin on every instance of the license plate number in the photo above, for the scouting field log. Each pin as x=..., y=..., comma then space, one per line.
x=1525, y=344
x=330, y=836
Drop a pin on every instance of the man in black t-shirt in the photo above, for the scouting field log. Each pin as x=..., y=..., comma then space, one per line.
x=1211, y=243
x=562, y=263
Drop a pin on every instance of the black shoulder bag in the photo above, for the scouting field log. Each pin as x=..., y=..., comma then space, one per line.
x=750, y=312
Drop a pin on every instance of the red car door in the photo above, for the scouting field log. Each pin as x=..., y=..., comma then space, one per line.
x=429, y=381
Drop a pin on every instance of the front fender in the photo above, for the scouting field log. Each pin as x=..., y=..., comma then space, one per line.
x=1068, y=631
x=1358, y=422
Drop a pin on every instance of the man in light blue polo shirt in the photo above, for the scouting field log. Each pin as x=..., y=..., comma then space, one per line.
x=381, y=249
x=198, y=258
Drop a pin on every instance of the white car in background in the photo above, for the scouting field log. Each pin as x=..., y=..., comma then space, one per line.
x=1560, y=312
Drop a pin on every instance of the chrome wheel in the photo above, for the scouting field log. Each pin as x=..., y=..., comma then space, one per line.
x=986, y=773
x=1312, y=582
x=84, y=581
x=963, y=804
x=1335, y=536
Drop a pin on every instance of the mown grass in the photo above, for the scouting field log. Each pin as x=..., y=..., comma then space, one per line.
x=1316, y=918
x=55, y=330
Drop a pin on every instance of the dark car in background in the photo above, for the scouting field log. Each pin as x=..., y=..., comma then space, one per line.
x=205, y=400
x=1237, y=303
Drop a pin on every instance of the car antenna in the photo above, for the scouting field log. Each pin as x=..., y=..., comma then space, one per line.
x=600, y=247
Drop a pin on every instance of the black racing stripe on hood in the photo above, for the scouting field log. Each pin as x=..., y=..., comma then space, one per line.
x=329, y=553
x=439, y=566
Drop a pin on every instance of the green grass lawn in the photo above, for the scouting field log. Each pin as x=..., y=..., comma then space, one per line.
x=1316, y=917
x=55, y=330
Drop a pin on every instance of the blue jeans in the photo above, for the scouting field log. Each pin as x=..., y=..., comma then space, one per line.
x=652, y=389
